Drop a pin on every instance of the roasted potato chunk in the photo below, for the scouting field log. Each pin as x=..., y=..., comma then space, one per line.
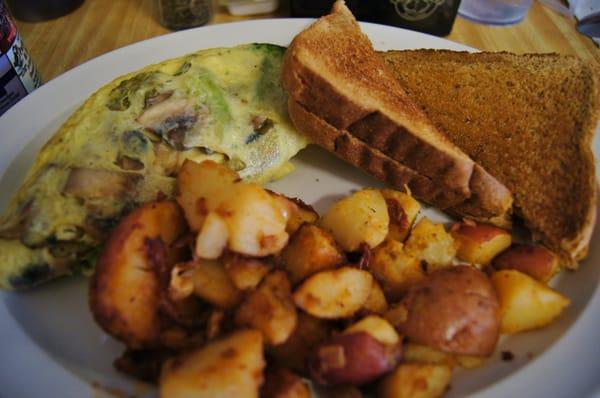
x=479, y=243
x=212, y=283
x=255, y=221
x=194, y=182
x=403, y=210
x=470, y=361
x=525, y=303
x=310, y=250
x=535, y=261
x=454, y=310
x=431, y=243
x=414, y=380
x=376, y=302
x=245, y=272
x=354, y=358
x=359, y=218
x=281, y=383
x=229, y=367
x=212, y=238
x=422, y=354
x=309, y=332
x=270, y=309
x=395, y=269
x=334, y=294
x=380, y=329
x=127, y=287
x=298, y=212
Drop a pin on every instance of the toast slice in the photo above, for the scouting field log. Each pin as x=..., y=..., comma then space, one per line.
x=527, y=119
x=338, y=87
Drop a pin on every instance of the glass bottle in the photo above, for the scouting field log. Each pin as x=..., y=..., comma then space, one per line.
x=183, y=14
x=18, y=74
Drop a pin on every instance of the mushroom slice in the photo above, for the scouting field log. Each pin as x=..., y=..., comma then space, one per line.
x=171, y=119
x=97, y=184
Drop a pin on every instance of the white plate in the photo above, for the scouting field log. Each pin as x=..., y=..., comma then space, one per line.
x=49, y=345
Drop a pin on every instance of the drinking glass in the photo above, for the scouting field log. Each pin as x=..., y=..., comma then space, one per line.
x=494, y=12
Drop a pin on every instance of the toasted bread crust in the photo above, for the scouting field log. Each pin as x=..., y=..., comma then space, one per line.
x=357, y=153
x=527, y=119
x=333, y=73
x=352, y=150
x=344, y=82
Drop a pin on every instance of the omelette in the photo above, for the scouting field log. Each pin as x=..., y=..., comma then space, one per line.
x=126, y=143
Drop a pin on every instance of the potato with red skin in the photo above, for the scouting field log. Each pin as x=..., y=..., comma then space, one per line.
x=377, y=327
x=479, y=243
x=131, y=277
x=310, y=250
x=535, y=261
x=455, y=309
x=354, y=358
x=282, y=383
x=309, y=333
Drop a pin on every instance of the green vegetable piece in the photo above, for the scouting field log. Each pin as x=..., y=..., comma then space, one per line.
x=215, y=98
x=183, y=68
x=119, y=98
x=268, y=88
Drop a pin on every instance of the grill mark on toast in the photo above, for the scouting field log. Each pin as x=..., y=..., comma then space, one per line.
x=380, y=132
x=366, y=160
x=343, y=83
x=337, y=144
x=357, y=153
x=370, y=130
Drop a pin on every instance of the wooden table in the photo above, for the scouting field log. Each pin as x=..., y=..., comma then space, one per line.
x=100, y=26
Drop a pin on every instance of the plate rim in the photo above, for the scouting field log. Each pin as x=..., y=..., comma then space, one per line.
x=58, y=375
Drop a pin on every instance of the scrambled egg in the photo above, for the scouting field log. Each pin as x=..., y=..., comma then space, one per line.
x=126, y=143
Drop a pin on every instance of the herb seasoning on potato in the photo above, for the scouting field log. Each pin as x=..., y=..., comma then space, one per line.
x=254, y=292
